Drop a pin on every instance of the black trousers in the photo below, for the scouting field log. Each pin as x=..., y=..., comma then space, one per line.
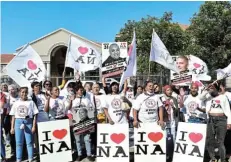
x=216, y=132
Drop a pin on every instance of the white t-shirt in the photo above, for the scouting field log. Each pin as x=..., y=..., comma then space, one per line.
x=114, y=106
x=100, y=103
x=130, y=95
x=228, y=94
x=191, y=104
x=10, y=101
x=41, y=100
x=57, y=108
x=22, y=109
x=147, y=107
x=219, y=104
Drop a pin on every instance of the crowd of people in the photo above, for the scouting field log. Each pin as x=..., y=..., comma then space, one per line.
x=167, y=105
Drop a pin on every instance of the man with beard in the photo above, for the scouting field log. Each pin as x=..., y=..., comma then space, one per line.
x=193, y=106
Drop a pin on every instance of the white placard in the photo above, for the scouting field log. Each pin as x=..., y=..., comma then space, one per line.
x=112, y=143
x=54, y=141
x=114, y=56
x=190, y=142
x=149, y=143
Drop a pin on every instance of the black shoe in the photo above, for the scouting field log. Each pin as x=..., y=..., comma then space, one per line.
x=90, y=158
x=80, y=158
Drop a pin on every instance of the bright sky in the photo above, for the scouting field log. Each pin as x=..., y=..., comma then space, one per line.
x=23, y=22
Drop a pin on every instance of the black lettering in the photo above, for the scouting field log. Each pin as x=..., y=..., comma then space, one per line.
x=31, y=78
x=38, y=72
x=141, y=136
x=92, y=52
x=183, y=135
x=80, y=59
x=120, y=150
x=139, y=148
x=24, y=71
x=46, y=136
x=91, y=60
x=63, y=145
x=104, y=138
x=195, y=150
x=157, y=149
x=101, y=150
x=178, y=146
x=44, y=148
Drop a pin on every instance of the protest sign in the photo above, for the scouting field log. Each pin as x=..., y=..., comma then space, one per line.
x=54, y=141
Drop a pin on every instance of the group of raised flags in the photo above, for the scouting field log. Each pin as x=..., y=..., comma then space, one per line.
x=27, y=66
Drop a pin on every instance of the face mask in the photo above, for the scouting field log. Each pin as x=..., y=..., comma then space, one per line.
x=214, y=94
x=150, y=93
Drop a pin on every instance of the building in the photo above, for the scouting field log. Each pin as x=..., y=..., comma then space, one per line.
x=52, y=50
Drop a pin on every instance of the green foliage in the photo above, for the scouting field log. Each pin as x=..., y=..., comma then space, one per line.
x=211, y=32
x=174, y=38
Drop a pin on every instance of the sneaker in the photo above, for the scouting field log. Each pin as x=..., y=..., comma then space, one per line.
x=90, y=158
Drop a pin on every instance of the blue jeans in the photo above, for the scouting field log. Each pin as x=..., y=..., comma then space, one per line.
x=3, y=151
x=87, y=140
x=19, y=138
x=196, y=120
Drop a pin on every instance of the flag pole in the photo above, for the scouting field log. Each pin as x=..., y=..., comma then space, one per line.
x=149, y=69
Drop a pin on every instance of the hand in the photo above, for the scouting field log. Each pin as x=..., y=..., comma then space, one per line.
x=228, y=126
x=161, y=123
x=33, y=129
x=135, y=124
x=111, y=122
x=77, y=76
x=12, y=131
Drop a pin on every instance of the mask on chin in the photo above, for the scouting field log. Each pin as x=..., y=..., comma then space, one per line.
x=149, y=93
x=214, y=94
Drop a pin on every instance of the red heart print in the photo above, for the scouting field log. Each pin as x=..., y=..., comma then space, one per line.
x=195, y=137
x=217, y=101
x=60, y=134
x=31, y=65
x=117, y=138
x=83, y=50
x=196, y=65
x=130, y=50
x=155, y=136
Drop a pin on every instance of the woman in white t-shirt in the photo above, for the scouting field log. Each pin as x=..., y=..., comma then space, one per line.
x=114, y=106
x=24, y=115
x=55, y=106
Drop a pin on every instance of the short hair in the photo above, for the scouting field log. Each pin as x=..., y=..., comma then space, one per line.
x=12, y=86
x=21, y=88
x=35, y=83
x=71, y=85
x=79, y=87
x=44, y=83
x=183, y=57
x=139, y=87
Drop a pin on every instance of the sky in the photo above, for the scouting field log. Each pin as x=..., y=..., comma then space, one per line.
x=23, y=22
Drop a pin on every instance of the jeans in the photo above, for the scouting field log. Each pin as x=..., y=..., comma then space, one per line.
x=87, y=140
x=216, y=132
x=19, y=137
x=3, y=151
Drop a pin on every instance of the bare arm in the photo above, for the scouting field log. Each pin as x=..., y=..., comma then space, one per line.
x=107, y=114
x=135, y=115
x=46, y=109
x=12, y=124
x=161, y=114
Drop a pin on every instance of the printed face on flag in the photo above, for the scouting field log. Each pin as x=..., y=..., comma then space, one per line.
x=190, y=142
x=54, y=143
x=112, y=143
x=150, y=143
x=114, y=56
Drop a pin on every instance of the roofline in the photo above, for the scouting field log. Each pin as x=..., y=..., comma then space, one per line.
x=97, y=44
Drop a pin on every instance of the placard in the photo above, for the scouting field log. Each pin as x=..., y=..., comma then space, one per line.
x=54, y=141
x=190, y=142
x=84, y=118
x=114, y=56
x=112, y=143
x=149, y=143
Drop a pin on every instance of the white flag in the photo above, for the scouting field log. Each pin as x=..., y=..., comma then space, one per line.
x=160, y=54
x=82, y=56
x=26, y=67
x=223, y=73
x=131, y=68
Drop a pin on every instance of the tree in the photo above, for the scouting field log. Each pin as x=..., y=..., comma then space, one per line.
x=210, y=30
x=174, y=38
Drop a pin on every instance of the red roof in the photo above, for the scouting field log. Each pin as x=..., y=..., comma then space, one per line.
x=6, y=58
